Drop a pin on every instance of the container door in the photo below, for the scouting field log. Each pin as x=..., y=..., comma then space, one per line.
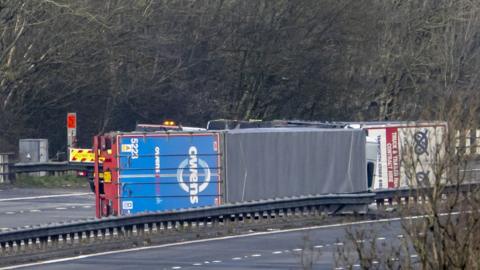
x=164, y=172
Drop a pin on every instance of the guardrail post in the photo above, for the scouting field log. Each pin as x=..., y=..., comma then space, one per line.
x=6, y=247
x=91, y=236
x=84, y=236
x=107, y=234
x=123, y=231
x=99, y=235
x=477, y=141
x=221, y=221
x=22, y=245
x=115, y=232
x=248, y=217
x=30, y=243
x=419, y=200
x=5, y=170
x=146, y=228
x=209, y=222
x=467, y=142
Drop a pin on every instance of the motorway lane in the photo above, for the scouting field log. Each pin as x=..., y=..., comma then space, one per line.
x=24, y=207
x=267, y=250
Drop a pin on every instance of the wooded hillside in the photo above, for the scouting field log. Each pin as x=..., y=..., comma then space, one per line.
x=119, y=62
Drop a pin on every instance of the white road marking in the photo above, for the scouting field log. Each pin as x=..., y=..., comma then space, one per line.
x=35, y=210
x=277, y=252
x=87, y=206
x=197, y=264
x=414, y=256
x=43, y=197
x=297, y=249
x=338, y=244
x=236, y=259
x=222, y=238
x=206, y=262
x=400, y=236
x=256, y=255
x=381, y=238
x=177, y=267
x=216, y=261
x=9, y=213
x=318, y=246
x=61, y=208
x=356, y=265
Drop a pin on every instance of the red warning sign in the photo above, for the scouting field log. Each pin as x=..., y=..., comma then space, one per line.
x=72, y=120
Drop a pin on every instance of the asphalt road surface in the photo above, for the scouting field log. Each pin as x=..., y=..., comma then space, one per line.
x=25, y=207
x=264, y=250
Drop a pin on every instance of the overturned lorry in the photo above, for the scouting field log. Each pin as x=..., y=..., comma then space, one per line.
x=399, y=154
x=171, y=169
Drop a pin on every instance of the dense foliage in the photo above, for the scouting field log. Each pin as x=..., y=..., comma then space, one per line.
x=119, y=62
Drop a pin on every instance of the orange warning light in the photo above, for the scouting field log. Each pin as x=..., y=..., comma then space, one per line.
x=169, y=123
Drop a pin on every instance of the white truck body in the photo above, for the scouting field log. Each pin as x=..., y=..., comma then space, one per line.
x=406, y=151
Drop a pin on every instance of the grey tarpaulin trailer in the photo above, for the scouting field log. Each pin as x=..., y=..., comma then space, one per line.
x=263, y=163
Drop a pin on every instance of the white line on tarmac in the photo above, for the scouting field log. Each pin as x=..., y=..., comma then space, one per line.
x=43, y=197
x=384, y=220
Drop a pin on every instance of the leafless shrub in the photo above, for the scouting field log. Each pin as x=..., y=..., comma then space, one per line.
x=309, y=254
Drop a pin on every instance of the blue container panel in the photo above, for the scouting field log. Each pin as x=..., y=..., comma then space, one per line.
x=158, y=173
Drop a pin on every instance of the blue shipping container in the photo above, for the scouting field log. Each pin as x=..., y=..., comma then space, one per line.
x=168, y=171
